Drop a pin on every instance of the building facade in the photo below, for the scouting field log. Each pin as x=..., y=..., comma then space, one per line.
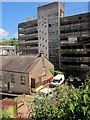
x=28, y=36
x=48, y=30
x=75, y=42
x=25, y=74
x=65, y=41
x=7, y=50
x=42, y=35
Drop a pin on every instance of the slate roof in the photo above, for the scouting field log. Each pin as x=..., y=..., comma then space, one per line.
x=18, y=63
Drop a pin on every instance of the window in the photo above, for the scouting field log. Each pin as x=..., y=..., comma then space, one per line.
x=12, y=79
x=80, y=17
x=23, y=79
x=53, y=32
x=49, y=25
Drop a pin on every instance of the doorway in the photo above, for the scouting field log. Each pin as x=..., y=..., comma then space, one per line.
x=9, y=87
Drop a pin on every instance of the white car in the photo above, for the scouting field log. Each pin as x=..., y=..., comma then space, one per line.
x=57, y=80
x=43, y=93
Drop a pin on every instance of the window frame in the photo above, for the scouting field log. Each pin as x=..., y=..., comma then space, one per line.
x=12, y=78
x=23, y=79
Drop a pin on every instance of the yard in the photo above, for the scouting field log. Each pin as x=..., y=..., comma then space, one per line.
x=27, y=104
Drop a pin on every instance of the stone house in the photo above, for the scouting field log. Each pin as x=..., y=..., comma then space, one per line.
x=25, y=74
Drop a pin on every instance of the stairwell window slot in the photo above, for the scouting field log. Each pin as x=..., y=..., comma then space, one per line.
x=49, y=25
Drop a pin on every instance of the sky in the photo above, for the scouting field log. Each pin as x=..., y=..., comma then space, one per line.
x=16, y=12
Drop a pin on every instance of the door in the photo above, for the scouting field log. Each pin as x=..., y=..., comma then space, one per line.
x=9, y=86
x=32, y=84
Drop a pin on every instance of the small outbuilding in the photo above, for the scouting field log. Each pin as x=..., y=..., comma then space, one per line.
x=9, y=106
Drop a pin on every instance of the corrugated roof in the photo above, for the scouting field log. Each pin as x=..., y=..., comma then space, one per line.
x=5, y=103
x=19, y=63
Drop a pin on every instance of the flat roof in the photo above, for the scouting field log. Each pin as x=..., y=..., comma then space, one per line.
x=51, y=4
x=76, y=15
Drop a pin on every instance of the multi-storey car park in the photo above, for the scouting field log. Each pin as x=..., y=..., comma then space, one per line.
x=28, y=36
x=75, y=43
x=65, y=41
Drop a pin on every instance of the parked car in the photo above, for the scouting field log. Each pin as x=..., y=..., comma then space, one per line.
x=73, y=79
x=57, y=80
x=43, y=93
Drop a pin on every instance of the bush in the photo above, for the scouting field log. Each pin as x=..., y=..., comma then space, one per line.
x=4, y=116
x=69, y=104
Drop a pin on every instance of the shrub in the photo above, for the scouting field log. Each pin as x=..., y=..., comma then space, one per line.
x=69, y=104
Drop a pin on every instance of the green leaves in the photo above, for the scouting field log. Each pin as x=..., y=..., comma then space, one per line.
x=52, y=70
x=5, y=116
x=10, y=42
x=71, y=104
x=72, y=107
x=84, y=110
x=85, y=97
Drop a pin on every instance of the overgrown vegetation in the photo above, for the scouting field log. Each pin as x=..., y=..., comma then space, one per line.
x=55, y=72
x=68, y=103
x=13, y=42
x=5, y=116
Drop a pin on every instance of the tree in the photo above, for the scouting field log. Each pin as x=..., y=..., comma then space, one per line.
x=55, y=71
x=12, y=42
